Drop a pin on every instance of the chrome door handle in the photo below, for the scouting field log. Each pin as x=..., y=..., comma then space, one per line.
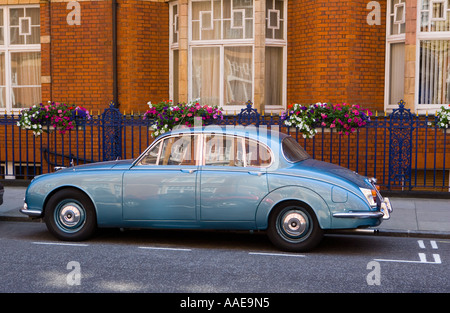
x=256, y=173
x=190, y=171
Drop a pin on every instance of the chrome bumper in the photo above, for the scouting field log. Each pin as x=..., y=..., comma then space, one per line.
x=30, y=213
x=385, y=212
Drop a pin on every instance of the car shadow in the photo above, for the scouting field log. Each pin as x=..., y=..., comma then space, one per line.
x=233, y=240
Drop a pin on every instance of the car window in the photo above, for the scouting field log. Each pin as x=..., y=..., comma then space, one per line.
x=223, y=150
x=151, y=157
x=178, y=150
x=175, y=150
x=257, y=154
x=292, y=151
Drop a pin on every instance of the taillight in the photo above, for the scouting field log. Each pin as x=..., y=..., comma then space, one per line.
x=374, y=195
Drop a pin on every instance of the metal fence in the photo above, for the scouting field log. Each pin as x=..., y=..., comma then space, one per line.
x=402, y=150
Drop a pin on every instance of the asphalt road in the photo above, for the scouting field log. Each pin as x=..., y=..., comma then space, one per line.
x=155, y=261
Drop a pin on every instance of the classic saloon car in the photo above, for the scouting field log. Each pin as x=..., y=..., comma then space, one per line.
x=210, y=178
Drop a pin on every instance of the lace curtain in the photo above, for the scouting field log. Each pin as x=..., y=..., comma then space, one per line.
x=434, y=75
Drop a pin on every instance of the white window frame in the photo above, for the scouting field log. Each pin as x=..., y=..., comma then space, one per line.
x=426, y=35
x=8, y=49
x=222, y=44
x=396, y=8
x=390, y=39
x=173, y=22
x=280, y=43
x=437, y=19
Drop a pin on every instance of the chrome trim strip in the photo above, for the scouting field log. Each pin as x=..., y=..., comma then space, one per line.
x=351, y=214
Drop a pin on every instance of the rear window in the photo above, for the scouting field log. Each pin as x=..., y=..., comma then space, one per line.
x=292, y=151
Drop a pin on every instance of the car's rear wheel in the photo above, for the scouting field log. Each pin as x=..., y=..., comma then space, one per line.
x=70, y=215
x=294, y=227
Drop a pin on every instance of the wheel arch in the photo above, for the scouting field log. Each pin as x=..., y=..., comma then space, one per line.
x=56, y=190
x=301, y=195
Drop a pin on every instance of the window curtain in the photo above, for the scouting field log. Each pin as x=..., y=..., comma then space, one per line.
x=25, y=78
x=274, y=76
x=2, y=81
x=434, y=75
x=205, y=75
x=238, y=79
x=397, y=72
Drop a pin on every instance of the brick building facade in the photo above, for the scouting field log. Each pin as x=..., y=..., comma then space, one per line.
x=146, y=51
x=225, y=52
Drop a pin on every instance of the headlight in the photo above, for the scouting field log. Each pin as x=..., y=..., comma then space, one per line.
x=371, y=196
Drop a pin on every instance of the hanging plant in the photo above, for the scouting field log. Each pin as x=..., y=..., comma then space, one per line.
x=343, y=118
x=43, y=117
x=167, y=115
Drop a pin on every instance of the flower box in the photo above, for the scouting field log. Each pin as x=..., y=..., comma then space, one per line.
x=167, y=115
x=309, y=120
x=52, y=116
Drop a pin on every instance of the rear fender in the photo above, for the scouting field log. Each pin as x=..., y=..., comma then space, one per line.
x=289, y=193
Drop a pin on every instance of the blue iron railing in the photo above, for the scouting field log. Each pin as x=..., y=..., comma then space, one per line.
x=401, y=150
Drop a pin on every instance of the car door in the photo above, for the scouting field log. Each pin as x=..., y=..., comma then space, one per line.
x=233, y=178
x=162, y=186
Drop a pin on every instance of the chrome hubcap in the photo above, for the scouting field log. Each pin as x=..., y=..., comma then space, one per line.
x=294, y=223
x=70, y=216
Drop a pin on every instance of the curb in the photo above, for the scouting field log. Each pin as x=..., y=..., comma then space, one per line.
x=20, y=219
x=358, y=232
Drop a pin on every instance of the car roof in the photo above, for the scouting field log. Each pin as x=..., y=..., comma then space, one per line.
x=250, y=131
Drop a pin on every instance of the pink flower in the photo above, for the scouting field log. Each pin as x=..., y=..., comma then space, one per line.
x=332, y=125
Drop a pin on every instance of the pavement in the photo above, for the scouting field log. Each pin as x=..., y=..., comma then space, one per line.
x=411, y=217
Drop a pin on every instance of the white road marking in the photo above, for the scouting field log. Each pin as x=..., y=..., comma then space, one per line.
x=164, y=248
x=421, y=244
x=277, y=254
x=433, y=244
x=422, y=256
x=60, y=244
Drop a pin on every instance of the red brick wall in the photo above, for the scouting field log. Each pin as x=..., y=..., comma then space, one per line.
x=334, y=55
x=80, y=55
x=143, y=53
x=79, y=58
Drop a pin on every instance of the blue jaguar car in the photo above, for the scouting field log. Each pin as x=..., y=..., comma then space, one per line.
x=210, y=178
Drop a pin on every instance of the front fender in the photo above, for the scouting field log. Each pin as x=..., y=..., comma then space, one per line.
x=104, y=189
x=297, y=193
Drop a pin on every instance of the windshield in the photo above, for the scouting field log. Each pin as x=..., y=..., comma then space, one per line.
x=292, y=151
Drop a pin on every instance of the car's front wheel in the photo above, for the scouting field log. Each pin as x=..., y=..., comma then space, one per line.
x=294, y=227
x=70, y=215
